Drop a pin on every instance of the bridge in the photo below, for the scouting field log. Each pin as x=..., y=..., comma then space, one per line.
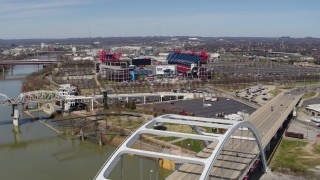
x=43, y=96
x=31, y=97
x=230, y=155
x=150, y=97
x=27, y=62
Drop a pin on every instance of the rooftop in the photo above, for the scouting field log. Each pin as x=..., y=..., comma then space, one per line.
x=314, y=107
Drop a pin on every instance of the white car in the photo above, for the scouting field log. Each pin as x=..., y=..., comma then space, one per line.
x=207, y=105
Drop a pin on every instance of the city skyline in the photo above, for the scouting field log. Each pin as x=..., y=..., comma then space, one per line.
x=110, y=18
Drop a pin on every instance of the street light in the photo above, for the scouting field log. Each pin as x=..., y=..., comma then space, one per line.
x=150, y=174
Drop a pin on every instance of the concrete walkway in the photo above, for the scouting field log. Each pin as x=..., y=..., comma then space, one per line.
x=176, y=140
x=98, y=83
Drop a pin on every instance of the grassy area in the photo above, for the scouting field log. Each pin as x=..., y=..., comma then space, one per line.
x=125, y=122
x=163, y=138
x=89, y=92
x=275, y=92
x=306, y=83
x=193, y=145
x=179, y=128
x=316, y=149
x=309, y=95
x=234, y=87
x=292, y=154
x=287, y=87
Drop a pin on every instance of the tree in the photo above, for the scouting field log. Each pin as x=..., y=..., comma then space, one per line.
x=317, y=61
x=105, y=100
x=133, y=105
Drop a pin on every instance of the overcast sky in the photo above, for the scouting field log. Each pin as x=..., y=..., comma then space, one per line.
x=108, y=18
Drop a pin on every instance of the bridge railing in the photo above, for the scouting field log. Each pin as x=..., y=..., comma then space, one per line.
x=5, y=100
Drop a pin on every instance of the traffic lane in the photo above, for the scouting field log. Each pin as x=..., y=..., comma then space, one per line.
x=269, y=126
x=266, y=121
x=225, y=105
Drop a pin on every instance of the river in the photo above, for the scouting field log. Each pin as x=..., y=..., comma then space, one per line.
x=34, y=152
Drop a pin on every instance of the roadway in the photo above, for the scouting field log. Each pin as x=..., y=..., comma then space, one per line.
x=239, y=155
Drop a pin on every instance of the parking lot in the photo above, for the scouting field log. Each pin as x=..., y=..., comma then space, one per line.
x=261, y=69
x=196, y=106
x=256, y=94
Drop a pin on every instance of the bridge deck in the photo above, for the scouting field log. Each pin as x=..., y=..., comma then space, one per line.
x=28, y=62
x=230, y=164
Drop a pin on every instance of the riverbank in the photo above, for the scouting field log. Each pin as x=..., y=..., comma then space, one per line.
x=148, y=142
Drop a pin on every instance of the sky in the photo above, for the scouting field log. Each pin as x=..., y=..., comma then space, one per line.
x=22, y=19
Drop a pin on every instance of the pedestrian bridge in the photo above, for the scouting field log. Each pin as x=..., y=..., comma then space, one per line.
x=31, y=97
x=152, y=97
x=235, y=130
x=233, y=153
x=42, y=96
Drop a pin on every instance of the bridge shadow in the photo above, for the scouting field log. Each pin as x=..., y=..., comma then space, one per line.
x=6, y=122
x=274, y=144
x=24, y=120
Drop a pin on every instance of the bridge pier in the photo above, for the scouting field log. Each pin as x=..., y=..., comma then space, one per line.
x=267, y=148
x=66, y=106
x=275, y=136
x=16, y=117
x=281, y=127
x=62, y=105
x=92, y=104
x=81, y=135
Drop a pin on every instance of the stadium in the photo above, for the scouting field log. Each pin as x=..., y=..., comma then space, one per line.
x=190, y=64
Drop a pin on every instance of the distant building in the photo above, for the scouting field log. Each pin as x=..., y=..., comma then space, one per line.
x=193, y=39
x=43, y=45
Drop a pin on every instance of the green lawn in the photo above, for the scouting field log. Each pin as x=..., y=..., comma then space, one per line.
x=292, y=155
x=306, y=83
x=194, y=145
x=309, y=95
x=275, y=92
x=316, y=149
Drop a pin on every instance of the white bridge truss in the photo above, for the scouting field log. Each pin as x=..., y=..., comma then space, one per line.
x=39, y=96
x=42, y=96
x=207, y=163
x=5, y=100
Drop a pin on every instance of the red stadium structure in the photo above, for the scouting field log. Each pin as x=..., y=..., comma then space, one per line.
x=191, y=62
x=106, y=56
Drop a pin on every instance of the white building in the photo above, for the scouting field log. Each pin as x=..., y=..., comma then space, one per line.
x=313, y=109
x=67, y=89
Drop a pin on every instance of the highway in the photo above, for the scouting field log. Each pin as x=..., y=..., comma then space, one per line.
x=239, y=155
